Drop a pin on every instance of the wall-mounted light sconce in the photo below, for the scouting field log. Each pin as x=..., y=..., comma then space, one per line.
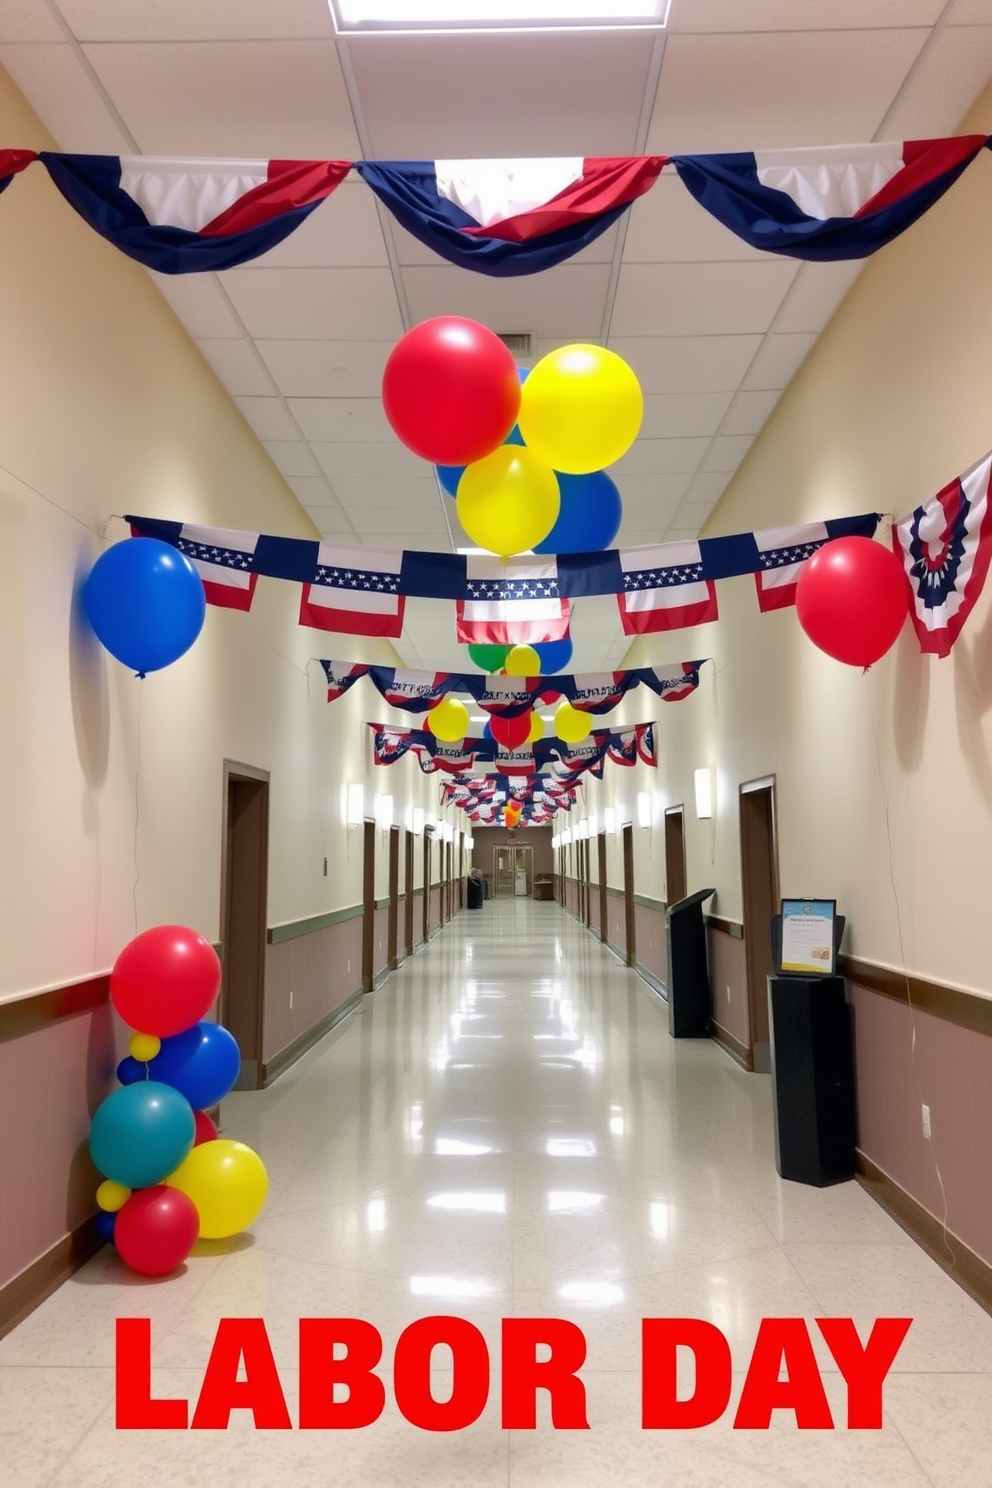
x=385, y=812
x=418, y=821
x=609, y=820
x=704, y=794
x=643, y=809
x=356, y=805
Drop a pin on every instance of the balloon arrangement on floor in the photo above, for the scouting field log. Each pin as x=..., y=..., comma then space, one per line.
x=169, y=1179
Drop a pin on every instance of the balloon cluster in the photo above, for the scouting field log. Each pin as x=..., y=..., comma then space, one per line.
x=169, y=1180
x=521, y=452
x=145, y=603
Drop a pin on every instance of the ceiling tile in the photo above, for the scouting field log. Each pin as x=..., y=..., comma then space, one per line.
x=417, y=494
x=952, y=73
x=61, y=93
x=343, y=232
x=693, y=515
x=568, y=301
x=749, y=412
x=800, y=15
x=269, y=418
x=699, y=299
x=775, y=90
x=363, y=458
x=25, y=20
x=779, y=359
x=330, y=522
x=660, y=456
x=660, y=490
x=385, y=521
x=707, y=488
x=410, y=250
x=322, y=304
x=202, y=20
x=668, y=225
x=237, y=366
x=727, y=453
x=240, y=100
x=292, y=458
x=474, y=96
x=687, y=364
x=815, y=296
x=674, y=415
x=342, y=419
x=326, y=368
x=313, y=490
x=201, y=304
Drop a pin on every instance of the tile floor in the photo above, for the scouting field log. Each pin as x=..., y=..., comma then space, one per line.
x=506, y=1129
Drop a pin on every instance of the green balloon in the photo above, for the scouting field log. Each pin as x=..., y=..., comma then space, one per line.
x=489, y=658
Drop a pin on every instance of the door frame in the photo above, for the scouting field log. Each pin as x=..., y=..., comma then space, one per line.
x=603, y=897
x=760, y=900
x=628, y=891
x=248, y=1029
x=392, y=922
x=369, y=833
x=675, y=845
x=408, y=876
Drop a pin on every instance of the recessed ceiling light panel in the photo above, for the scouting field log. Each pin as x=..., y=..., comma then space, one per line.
x=371, y=17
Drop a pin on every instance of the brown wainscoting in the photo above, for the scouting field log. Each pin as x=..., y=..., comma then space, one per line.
x=282, y=1061
x=952, y=1255
x=727, y=927
x=739, y=1052
x=28, y=1290
x=966, y=1009
x=29, y=1014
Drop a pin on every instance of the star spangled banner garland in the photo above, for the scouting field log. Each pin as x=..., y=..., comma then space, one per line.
x=629, y=746
x=509, y=697
x=362, y=591
x=504, y=217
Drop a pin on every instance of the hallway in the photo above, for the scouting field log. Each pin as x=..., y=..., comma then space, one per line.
x=507, y=1130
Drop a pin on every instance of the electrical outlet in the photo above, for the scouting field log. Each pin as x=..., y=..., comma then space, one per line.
x=926, y=1121
x=728, y=994
x=290, y=999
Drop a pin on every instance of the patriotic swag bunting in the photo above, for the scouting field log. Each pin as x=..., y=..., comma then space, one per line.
x=629, y=746
x=509, y=217
x=361, y=591
x=509, y=697
x=12, y=162
x=836, y=202
x=945, y=546
x=185, y=216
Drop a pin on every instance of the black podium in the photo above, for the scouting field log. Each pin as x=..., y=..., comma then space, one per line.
x=689, y=1004
x=812, y=1079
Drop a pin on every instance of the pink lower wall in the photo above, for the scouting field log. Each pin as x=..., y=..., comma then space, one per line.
x=728, y=968
x=380, y=942
x=321, y=970
x=435, y=907
x=905, y=1058
x=650, y=945
x=51, y=1082
x=616, y=932
x=594, y=924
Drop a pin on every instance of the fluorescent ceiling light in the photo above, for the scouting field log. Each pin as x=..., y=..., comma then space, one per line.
x=372, y=16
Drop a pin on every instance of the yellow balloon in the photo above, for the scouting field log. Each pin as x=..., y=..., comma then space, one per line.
x=536, y=728
x=144, y=1046
x=227, y=1182
x=509, y=501
x=580, y=409
x=448, y=720
x=571, y=724
x=523, y=661
x=111, y=1196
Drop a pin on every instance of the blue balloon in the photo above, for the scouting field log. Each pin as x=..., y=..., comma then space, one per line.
x=589, y=518
x=130, y=1070
x=555, y=656
x=105, y=1226
x=487, y=731
x=141, y=1133
x=202, y=1063
x=145, y=602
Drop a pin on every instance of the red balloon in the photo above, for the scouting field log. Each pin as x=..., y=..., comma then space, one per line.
x=156, y=1229
x=206, y=1128
x=510, y=732
x=165, y=980
x=852, y=598
x=451, y=390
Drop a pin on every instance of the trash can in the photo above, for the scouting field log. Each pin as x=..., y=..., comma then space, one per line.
x=475, y=893
x=812, y=1079
x=689, y=1005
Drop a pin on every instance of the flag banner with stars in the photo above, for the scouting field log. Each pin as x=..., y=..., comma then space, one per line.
x=224, y=559
x=629, y=746
x=520, y=601
x=783, y=551
x=945, y=546
x=509, y=697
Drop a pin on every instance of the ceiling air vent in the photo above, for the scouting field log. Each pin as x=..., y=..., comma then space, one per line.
x=523, y=344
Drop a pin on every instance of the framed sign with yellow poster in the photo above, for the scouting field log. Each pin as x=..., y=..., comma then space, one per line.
x=808, y=936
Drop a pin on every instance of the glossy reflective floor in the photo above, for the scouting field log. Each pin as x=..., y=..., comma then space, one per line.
x=506, y=1129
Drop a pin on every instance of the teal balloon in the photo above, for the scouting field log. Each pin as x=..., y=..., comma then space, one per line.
x=141, y=1133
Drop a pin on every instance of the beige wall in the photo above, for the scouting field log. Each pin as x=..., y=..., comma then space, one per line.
x=884, y=780
x=110, y=788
